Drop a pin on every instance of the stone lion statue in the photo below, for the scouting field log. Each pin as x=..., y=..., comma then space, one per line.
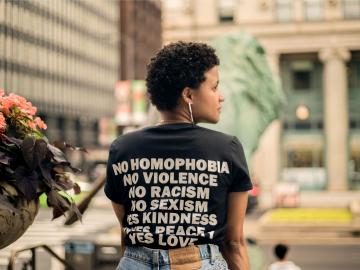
x=253, y=95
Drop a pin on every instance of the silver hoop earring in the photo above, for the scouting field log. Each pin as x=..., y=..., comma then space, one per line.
x=191, y=114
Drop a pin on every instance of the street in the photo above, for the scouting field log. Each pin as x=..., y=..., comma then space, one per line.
x=177, y=105
x=315, y=253
x=321, y=257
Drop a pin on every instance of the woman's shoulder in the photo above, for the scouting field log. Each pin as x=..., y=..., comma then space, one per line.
x=217, y=135
x=203, y=135
x=126, y=139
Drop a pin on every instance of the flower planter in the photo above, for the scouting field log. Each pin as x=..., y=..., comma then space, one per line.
x=30, y=166
x=14, y=224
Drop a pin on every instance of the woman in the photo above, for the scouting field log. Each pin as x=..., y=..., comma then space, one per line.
x=180, y=190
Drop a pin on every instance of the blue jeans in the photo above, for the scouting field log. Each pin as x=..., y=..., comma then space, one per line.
x=142, y=258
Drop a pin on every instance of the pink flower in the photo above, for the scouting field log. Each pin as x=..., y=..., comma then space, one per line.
x=40, y=123
x=2, y=123
x=13, y=100
x=6, y=105
x=31, y=125
x=27, y=107
x=20, y=112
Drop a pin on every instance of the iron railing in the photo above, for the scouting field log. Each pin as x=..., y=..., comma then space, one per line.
x=32, y=261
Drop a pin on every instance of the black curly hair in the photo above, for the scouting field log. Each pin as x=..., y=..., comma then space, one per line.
x=280, y=251
x=176, y=66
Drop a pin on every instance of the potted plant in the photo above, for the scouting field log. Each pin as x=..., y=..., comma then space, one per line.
x=29, y=167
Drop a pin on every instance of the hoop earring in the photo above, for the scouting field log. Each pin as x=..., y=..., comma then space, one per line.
x=191, y=114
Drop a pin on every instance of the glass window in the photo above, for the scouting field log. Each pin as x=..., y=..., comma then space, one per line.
x=301, y=75
x=351, y=9
x=304, y=162
x=300, y=158
x=302, y=125
x=177, y=6
x=354, y=168
x=314, y=10
x=61, y=127
x=301, y=79
x=353, y=73
x=226, y=10
x=2, y=9
x=284, y=10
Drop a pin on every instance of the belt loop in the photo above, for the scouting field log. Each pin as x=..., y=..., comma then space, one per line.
x=156, y=260
x=212, y=254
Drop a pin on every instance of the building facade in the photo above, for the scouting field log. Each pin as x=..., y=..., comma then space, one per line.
x=140, y=36
x=63, y=56
x=314, y=46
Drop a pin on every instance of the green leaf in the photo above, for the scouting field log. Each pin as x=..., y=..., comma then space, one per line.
x=40, y=151
x=75, y=210
x=27, y=150
x=62, y=145
x=12, y=140
x=33, y=151
x=59, y=203
x=26, y=182
x=74, y=169
x=76, y=188
x=57, y=154
x=65, y=183
x=5, y=160
x=45, y=168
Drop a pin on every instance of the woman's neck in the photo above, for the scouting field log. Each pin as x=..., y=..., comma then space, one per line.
x=169, y=117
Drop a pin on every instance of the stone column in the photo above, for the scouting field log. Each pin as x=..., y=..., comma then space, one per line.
x=298, y=10
x=267, y=170
x=273, y=60
x=336, y=116
x=266, y=161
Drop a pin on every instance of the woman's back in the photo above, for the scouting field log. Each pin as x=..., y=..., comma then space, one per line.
x=179, y=190
x=173, y=181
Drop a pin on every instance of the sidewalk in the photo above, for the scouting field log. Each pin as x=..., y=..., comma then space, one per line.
x=341, y=199
x=257, y=226
x=268, y=231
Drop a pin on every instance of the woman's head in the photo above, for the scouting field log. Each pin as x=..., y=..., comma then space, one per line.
x=280, y=251
x=182, y=73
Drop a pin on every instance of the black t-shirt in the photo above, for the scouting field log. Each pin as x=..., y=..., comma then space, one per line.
x=173, y=181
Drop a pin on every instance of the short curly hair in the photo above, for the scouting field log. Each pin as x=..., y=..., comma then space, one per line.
x=176, y=66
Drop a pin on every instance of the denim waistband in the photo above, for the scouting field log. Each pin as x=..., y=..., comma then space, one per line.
x=161, y=256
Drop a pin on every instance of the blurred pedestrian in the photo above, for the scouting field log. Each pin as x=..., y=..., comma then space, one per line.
x=180, y=190
x=282, y=263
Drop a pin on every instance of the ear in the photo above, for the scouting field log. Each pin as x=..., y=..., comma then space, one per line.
x=187, y=95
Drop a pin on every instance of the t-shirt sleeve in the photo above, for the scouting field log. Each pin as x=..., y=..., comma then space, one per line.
x=114, y=187
x=240, y=173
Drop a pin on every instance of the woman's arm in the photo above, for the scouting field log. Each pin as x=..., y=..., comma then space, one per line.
x=119, y=212
x=234, y=250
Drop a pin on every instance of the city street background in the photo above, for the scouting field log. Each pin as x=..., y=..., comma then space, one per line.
x=82, y=63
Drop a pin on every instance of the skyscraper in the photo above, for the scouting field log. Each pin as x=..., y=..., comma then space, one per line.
x=63, y=56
